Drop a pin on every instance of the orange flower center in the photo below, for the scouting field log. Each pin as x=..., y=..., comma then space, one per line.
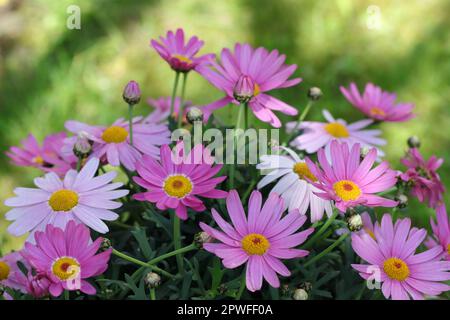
x=114, y=134
x=377, y=112
x=337, y=130
x=182, y=58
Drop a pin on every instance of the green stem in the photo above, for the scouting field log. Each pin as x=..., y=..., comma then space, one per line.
x=177, y=242
x=317, y=235
x=242, y=107
x=141, y=263
x=173, y=253
x=299, y=121
x=79, y=164
x=152, y=294
x=248, y=191
x=242, y=287
x=130, y=120
x=232, y=167
x=183, y=89
x=174, y=93
x=327, y=250
x=246, y=117
x=66, y=295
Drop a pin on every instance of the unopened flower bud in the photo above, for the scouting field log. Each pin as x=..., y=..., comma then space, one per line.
x=314, y=93
x=132, y=93
x=106, y=244
x=402, y=201
x=354, y=222
x=414, y=142
x=285, y=289
x=82, y=146
x=300, y=294
x=201, y=238
x=152, y=280
x=194, y=114
x=244, y=89
x=38, y=285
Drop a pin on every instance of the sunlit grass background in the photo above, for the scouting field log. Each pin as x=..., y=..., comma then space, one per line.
x=49, y=74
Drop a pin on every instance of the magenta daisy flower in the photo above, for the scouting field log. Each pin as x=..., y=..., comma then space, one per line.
x=10, y=274
x=441, y=232
x=113, y=143
x=246, y=75
x=317, y=135
x=178, y=184
x=179, y=55
x=48, y=157
x=260, y=239
x=162, y=109
x=426, y=182
x=349, y=181
x=378, y=104
x=392, y=260
x=67, y=258
x=79, y=197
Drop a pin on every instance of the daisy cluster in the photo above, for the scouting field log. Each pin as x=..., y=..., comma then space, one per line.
x=325, y=193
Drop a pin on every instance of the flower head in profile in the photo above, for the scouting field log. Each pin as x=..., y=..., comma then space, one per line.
x=441, y=232
x=392, y=260
x=426, y=182
x=67, y=258
x=181, y=55
x=317, y=135
x=178, y=182
x=113, y=143
x=10, y=274
x=378, y=104
x=350, y=182
x=246, y=75
x=48, y=157
x=295, y=185
x=162, y=109
x=260, y=239
x=80, y=197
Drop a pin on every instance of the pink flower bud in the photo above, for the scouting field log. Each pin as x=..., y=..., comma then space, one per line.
x=244, y=89
x=132, y=93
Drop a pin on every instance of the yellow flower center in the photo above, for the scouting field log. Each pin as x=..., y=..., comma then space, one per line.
x=370, y=233
x=337, y=130
x=114, y=134
x=256, y=90
x=347, y=190
x=177, y=186
x=302, y=170
x=38, y=160
x=396, y=269
x=66, y=268
x=377, y=112
x=63, y=200
x=448, y=248
x=255, y=243
x=4, y=271
x=182, y=58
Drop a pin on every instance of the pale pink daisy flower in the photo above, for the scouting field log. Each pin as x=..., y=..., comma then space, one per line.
x=67, y=258
x=392, y=260
x=378, y=104
x=81, y=197
x=426, y=182
x=178, y=184
x=350, y=182
x=316, y=135
x=162, y=109
x=260, y=239
x=295, y=185
x=179, y=55
x=113, y=143
x=441, y=232
x=246, y=75
x=10, y=274
x=48, y=157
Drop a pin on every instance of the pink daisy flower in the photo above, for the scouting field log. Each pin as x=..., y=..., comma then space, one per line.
x=113, y=143
x=246, y=75
x=48, y=157
x=349, y=181
x=178, y=184
x=392, y=260
x=162, y=109
x=38, y=285
x=427, y=185
x=67, y=258
x=317, y=135
x=378, y=104
x=179, y=55
x=441, y=232
x=260, y=239
x=10, y=274
x=80, y=197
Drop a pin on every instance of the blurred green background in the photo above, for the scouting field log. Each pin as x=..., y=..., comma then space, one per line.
x=49, y=74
